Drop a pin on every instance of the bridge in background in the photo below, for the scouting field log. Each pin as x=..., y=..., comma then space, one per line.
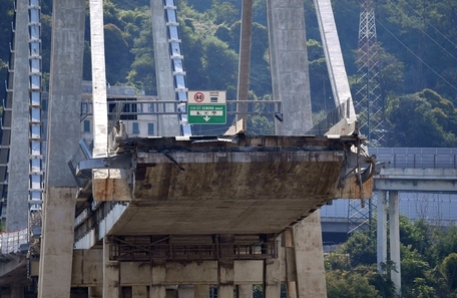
x=170, y=208
x=436, y=204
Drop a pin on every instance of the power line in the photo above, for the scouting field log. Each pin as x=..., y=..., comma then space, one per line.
x=434, y=71
x=431, y=25
x=431, y=38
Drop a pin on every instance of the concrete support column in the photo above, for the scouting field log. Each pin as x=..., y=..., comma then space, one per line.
x=226, y=272
x=289, y=65
x=139, y=292
x=272, y=277
x=57, y=243
x=291, y=270
x=56, y=255
x=394, y=221
x=17, y=292
x=168, y=124
x=158, y=279
x=244, y=291
x=381, y=230
x=96, y=292
x=111, y=273
x=226, y=275
x=244, y=59
x=201, y=291
x=309, y=257
x=272, y=282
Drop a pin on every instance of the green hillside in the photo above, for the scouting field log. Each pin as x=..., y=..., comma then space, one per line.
x=417, y=52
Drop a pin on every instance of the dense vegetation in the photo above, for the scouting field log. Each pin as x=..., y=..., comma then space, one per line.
x=417, y=52
x=428, y=264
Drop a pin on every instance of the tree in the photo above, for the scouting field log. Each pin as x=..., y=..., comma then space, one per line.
x=220, y=64
x=449, y=270
x=142, y=74
x=345, y=284
x=116, y=57
x=361, y=249
x=411, y=117
x=224, y=12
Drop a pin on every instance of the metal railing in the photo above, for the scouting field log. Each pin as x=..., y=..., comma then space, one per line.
x=427, y=158
x=146, y=252
x=131, y=108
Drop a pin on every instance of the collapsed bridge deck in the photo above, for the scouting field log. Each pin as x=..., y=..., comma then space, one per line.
x=223, y=185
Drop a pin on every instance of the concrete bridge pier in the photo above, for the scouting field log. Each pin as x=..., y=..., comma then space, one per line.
x=388, y=204
x=290, y=82
x=56, y=254
x=272, y=277
x=305, y=259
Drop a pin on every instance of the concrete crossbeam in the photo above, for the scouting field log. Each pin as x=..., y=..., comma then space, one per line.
x=88, y=272
x=438, y=185
x=418, y=173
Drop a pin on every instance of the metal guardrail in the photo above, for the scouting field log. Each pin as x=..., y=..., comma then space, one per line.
x=133, y=108
x=14, y=242
x=124, y=252
x=426, y=158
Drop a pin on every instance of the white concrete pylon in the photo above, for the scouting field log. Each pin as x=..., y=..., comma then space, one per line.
x=381, y=230
x=394, y=236
x=100, y=110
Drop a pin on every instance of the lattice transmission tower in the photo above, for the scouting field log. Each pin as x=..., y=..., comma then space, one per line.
x=368, y=103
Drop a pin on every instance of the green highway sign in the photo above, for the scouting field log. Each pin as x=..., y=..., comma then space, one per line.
x=206, y=113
